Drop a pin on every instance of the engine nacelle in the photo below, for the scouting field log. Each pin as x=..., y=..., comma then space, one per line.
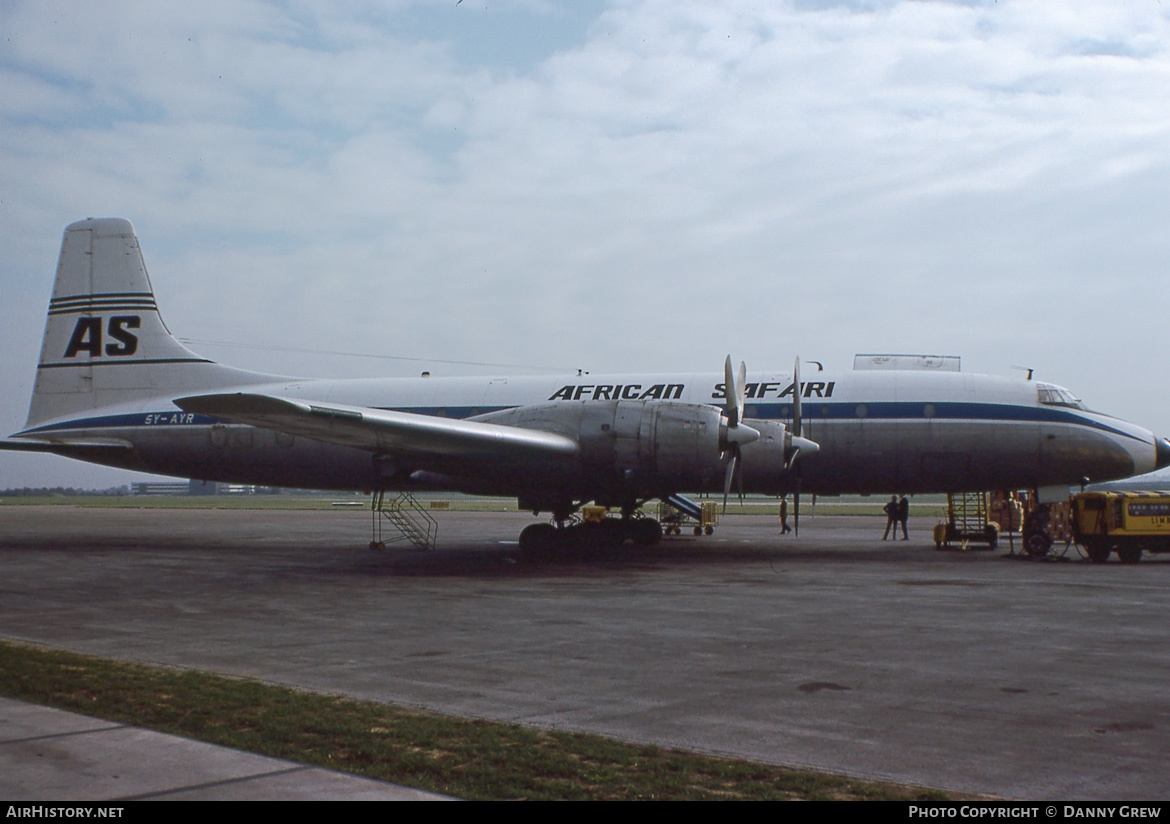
x=633, y=449
x=765, y=461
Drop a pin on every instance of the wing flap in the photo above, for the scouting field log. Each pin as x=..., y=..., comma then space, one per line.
x=384, y=431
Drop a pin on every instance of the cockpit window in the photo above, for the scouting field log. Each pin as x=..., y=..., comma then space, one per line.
x=1056, y=396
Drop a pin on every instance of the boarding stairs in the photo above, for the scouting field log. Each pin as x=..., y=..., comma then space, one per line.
x=968, y=520
x=405, y=518
x=968, y=512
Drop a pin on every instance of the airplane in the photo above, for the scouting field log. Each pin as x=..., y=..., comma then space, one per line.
x=115, y=387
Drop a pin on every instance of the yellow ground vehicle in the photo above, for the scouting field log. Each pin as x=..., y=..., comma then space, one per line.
x=1128, y=523
x=673, y=519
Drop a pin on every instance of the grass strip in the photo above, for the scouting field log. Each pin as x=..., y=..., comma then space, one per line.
x=466, y=758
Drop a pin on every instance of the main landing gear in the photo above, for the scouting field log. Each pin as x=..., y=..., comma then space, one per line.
x=540, y=539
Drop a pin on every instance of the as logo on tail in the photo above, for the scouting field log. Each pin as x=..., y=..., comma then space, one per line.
x=87, y=336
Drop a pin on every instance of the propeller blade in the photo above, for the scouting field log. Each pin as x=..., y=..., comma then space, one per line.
x=736, y=433
x=740, y=389
x=731, y=392
x=799, y=444
x=727, y=478
x=796, y=416
x=739, y=479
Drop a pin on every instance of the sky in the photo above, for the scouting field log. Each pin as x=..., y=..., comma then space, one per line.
x=507, y=186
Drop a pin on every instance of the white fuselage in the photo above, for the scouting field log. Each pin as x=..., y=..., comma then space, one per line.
x=879, y=432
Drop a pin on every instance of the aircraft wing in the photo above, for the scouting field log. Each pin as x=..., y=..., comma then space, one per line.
x=424, y=437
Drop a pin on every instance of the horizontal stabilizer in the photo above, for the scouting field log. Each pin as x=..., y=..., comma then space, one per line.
x=65, y=447
x=383, y=431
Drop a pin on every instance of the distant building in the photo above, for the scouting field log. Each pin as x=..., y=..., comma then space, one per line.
x=195, y=487
x=159, y=488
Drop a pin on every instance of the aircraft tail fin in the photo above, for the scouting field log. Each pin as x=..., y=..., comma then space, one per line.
x=105, y=342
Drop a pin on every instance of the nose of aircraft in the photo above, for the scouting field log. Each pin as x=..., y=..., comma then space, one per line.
x=1161, y=453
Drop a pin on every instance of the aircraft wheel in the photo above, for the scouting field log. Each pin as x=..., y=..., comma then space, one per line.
x=1037, y=544
x=647, y=532
x=377, y=546
x=709, y=530
x=537, y=539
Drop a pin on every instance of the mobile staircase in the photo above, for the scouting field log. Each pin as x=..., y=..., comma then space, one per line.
x=967, y=522
x=405, y=518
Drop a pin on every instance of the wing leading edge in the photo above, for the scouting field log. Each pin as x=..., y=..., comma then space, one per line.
x=423, y=437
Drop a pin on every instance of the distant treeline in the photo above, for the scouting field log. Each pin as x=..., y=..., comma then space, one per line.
x=64, y=491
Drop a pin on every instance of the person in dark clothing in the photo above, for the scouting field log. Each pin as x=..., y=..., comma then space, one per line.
x=784, y=527
x=903, y=517
x=891, y=510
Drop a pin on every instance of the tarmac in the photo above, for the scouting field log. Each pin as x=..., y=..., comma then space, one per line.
x=835, y=650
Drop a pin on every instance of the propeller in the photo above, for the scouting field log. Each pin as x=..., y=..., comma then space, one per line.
x=796, y=427
x=735, y=434
x=799, y=445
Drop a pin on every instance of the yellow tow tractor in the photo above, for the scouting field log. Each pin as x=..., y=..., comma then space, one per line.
x=1128, y=523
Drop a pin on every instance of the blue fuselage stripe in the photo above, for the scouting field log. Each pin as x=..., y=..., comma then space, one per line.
x=885, y=411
